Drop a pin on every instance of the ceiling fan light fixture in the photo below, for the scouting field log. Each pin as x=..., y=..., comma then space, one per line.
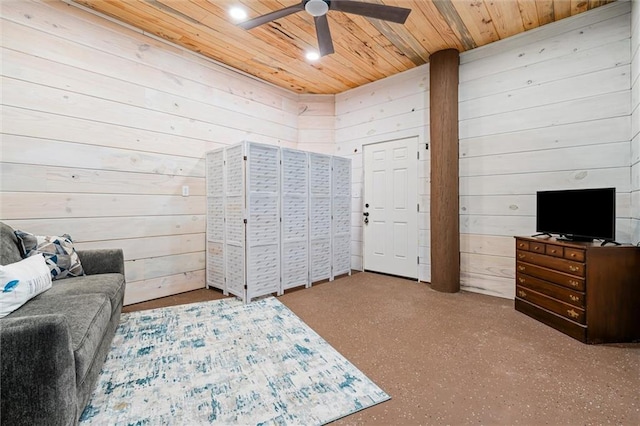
x=238, y=13
x=312, y=56
x=316, y=7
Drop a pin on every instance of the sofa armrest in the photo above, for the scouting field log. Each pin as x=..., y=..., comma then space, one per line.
x=102, y=261
x=38, y=373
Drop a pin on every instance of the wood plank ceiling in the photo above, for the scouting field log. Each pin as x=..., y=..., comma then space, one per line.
x=365, y=49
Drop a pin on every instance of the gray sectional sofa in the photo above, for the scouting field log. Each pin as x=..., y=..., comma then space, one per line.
x=53, y=347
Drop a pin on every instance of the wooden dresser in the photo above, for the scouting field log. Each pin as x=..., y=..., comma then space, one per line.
x=589, y=292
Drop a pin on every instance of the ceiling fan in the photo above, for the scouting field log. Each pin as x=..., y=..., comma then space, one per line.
x=319, y=8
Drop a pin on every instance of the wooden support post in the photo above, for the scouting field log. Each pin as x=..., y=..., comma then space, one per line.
x=445, y=226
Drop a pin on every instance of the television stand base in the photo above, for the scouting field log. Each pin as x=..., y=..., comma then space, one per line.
x=541, y=234
x=605, y=242
x=575, y=238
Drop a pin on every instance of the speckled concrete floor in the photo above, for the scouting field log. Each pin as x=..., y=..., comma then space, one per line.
x=461, y=358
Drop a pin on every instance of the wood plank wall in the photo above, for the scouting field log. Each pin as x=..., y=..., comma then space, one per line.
x=635, y=120
x=394, y=108
x=548, y=109
x=103, y=126
x=316, y=123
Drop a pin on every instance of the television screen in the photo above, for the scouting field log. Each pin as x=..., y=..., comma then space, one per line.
x=577, y=214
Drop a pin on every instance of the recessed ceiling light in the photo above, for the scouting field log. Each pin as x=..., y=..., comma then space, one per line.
x=313, y=56
x=238, y=13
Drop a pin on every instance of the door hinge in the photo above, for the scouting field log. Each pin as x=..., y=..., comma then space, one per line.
x=418, y=260
x=245, y=286
x=426, y=146
x=244, y=158
x=418, y=207
x=418, y=154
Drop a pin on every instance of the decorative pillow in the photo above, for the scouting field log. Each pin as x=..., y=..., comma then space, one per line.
x=21, y=281
x=61, y=256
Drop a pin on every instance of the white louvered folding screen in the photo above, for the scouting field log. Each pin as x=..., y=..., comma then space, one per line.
x=341, y=213
x=263, y=226
x=234, y=209
x=319, y=217
x=276, y=219
x=215, y=219
x=295, y=225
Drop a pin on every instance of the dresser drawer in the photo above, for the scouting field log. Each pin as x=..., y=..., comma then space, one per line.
x=574, y=254
x=564, y=309
x=555, y=251
x=573, y=282
x=575, y=330
x=564, y=294
x=537, y=247
x=522, y=245
x=561, y=265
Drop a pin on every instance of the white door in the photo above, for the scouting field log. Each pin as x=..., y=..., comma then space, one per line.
x=390, y=217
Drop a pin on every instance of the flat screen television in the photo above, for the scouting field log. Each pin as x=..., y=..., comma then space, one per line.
x=577, y=214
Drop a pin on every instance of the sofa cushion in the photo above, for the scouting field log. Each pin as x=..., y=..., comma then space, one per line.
x=88, y=318
x=59, y=252
x=9, y=245
x=21, y=281
x=111, y=285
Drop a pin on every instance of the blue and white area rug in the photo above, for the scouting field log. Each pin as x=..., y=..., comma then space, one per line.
x=224, y=362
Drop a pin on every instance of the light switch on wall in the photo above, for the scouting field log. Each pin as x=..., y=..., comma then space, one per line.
x=185, y=190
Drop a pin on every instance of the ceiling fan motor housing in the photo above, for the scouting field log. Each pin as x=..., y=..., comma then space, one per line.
x=316, y=7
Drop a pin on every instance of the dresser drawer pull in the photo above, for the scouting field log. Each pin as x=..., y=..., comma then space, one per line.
x=521, y=280
x=521, y=245
x=522, y=293
x=572, y=313
x=554, y=251
x=574, y=298
x=521, y=256
x=574, y=268
x=536, y=248
x=574, y=283
x=573, y=255
x=521, y=268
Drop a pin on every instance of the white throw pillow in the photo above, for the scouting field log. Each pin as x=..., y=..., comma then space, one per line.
x=21, y=281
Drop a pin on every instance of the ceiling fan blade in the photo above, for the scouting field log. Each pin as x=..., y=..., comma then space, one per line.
x=372, y=10
x=281, y=13
x=325, y=44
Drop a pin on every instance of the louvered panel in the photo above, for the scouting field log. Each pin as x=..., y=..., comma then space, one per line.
x=234, y=171
x=319, y=174
x=294, y=217
x=263, y=270
x=341, y=213
x=341, y=177
x=295, y=229
x=341, y=254
x=234, y=212
x=215, y=265
x=263, y=227
x=215, y=219
x=264, y=220
x=235, y=271
x=320, y=259
x=263, y=168
x=320, y=216
x=295, y=166
x=295, y=264
x=234, y=208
